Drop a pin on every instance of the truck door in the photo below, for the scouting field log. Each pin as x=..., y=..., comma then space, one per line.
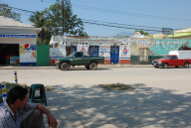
x=77, y=59
x=80, y=58
x=174, y=61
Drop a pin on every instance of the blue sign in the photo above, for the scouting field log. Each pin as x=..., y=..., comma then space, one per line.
x=17, y=36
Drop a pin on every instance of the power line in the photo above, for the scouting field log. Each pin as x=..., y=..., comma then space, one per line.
x=122, y=24
x=18, y=9
x=103, y=23
x=28, y=11
x=135, y=14
x=94, y=21
x=122, y=27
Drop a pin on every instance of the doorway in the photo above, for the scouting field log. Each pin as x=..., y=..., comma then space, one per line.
x=70, y=49
x=93, y=51
x=8, y=51
x=114, y=54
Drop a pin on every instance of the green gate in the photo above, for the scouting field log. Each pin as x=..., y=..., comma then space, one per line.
x=42, y=55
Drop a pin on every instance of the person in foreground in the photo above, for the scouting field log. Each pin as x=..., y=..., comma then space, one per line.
x=16, y=112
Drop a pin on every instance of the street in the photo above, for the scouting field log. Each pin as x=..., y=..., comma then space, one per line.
x=174, y=79
x=161, y=98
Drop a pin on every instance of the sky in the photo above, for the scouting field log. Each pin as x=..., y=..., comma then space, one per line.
x=151, y=14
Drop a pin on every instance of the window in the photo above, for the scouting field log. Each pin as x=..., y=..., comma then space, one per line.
x=79, y=54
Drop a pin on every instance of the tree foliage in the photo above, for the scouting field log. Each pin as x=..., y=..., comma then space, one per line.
x=143, y=32
x=40, y=21
x=7, y=11
x=58, y=19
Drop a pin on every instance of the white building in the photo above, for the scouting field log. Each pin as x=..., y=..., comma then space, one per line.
x=17, y=42
x=113, y=49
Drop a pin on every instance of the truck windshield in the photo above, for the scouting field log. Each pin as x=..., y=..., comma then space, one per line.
x=170, y=57
x=72, y=54
x=78, y=54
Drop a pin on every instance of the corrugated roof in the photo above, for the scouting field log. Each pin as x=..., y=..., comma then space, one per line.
x=8, y=22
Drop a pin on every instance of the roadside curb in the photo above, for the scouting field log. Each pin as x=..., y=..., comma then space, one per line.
x=126, y=66
x=54, y=67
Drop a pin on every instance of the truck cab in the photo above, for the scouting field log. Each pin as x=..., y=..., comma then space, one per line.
x=166, y=61
x=180, y=58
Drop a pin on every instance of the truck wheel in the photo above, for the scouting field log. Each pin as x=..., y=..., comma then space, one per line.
x=87, y=67
x=92, y=66
x=165, y=65
x=64, y=66
x=187, y=65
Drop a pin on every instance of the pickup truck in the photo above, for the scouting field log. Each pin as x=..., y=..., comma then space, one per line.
x=174, y=59
x=77, y=59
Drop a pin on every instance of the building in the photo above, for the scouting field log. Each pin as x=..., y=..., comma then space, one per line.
x=17, y=42
x=115, y=50
x=178, y=34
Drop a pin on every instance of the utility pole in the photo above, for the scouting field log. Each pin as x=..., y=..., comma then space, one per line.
x=63, y=16
x=16, y=80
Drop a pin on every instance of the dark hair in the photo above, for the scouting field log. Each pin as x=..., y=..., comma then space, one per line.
x=15, y=93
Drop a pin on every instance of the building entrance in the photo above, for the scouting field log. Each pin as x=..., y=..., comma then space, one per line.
x=8, y=52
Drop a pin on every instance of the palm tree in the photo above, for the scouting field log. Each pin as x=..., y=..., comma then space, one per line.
x=39, y=20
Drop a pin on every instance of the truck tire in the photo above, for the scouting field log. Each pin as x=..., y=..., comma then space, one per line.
x=92, y=66
x=64, y=66
x=187, y=65
x=87, y=67
x=165, y=65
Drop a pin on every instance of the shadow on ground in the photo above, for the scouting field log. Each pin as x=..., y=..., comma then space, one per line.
x=142, y=108
x=80, y=68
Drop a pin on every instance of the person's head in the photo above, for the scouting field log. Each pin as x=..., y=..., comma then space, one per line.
x=17, y=96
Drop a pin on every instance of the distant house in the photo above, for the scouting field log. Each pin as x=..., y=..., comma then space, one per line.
x=17, y=42
x=182, y=34
x=178, y=34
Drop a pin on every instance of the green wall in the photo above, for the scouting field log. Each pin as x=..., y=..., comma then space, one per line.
x=162, y=47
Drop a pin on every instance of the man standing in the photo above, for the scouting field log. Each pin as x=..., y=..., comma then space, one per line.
x=16, y=112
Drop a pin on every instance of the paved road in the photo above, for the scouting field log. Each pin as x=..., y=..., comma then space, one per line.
x=174, y=79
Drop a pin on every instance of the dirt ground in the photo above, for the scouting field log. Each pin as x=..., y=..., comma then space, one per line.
x=161, y=98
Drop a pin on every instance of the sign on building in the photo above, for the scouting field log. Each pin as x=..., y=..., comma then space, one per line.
x=28, y=53
x=124, y=54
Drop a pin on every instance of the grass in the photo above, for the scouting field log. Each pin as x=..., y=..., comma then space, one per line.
x=117, y=86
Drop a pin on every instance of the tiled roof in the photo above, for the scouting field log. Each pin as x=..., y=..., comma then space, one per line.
x=8, y=22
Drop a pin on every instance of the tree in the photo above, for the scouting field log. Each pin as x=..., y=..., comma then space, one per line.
x=7, y=11
x=59, y=19
x=142, y=32
x=40, y=21
x=62, y=19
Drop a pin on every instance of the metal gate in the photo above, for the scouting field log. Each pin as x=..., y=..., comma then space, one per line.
x=43, y=55
x=114, y=54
